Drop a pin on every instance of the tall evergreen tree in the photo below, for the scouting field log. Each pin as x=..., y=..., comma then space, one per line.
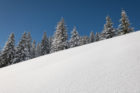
x=75, y=38
x=91, y=38
x=28, y=45
x=50, y=42
x=45, y=48
x=38, y=50
x=21, y=50
x=60, y=37
x=124, y=27
x=97, y=36
x=33, y=49
x=108, y=31
x=7, y=55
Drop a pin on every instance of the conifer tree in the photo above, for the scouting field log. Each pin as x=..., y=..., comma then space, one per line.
x=75, y=39
x=60, y=37
x=7, y=55
x=91, y=38
x=21, y=50
x=50, y=42
x=45, y=48
x=28, y=45
x=38, y=50
x=33, y=49
x=97, y=36
x=84, y=40
x=124, y=27
x=108, y=31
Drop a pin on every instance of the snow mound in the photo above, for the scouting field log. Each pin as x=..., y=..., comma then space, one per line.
x=108, y=66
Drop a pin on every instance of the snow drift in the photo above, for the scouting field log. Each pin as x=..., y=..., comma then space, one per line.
x=108, y=66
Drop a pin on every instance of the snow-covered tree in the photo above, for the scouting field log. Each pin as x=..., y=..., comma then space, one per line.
x=21, y=50
x=60, y=37
x=75, y=38
x=38, y=50
x=28, y=45
x=45, y=48
x=33, y=49
x=91, y=38
x=7, y=55
x=124, y=27
x=108, y=31
x=97, y=36
x=50, y=42
x=84, y=40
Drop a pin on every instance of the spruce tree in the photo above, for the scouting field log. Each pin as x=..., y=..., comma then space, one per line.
x=84, y=40
x=21, y=50
x=7, y=55
x=75, y=39
x=38, y=50
x=28, y=45
x=97, y=36
x=45, y=48
x=124, y=27
x=108, y=31
x=33, y=49
x=60, y=37
x=50, y=42
x=91, y=38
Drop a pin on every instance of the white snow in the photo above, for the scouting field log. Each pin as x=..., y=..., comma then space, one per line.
x=108, y=66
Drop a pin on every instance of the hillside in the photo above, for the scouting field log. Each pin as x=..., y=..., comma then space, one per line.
x=108, y=66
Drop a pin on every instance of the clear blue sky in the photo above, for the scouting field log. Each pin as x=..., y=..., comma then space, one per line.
x=37, y=16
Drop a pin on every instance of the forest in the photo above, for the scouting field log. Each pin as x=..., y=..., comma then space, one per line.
x=27, y=48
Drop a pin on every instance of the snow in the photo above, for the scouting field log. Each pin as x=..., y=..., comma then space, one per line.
x=108, y=66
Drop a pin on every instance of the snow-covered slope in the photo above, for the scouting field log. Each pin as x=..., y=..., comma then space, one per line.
x=108, y=66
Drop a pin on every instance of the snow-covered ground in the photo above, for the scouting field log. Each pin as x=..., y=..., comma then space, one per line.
x=108, y=66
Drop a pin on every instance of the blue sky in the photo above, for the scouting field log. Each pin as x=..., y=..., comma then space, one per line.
x=37, y=16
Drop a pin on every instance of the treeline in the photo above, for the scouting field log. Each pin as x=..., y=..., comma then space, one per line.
x=27, y=48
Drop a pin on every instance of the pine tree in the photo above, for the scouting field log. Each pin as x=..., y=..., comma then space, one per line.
x=75, y=39
x=91, y=38
x=84, y=40
x=21, y=50
x=97, y=36
x=28, y=46
x=50, y=42
x=38, y=50
x=7, y=55
x=108, y=31
x=60, y=37
x=124, y=27
x=45, y=48
x=33, y=49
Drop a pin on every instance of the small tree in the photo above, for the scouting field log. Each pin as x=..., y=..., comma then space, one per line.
x=38, y=50
x=91, y=38
x=75, y=39
x=45, y=48
x=84, y=40
x=97, y=36
x=108, y=31
x=33, y=49
x=124, y=27
x=50, y=42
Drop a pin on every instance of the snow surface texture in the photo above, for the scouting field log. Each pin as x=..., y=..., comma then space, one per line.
x=108, y=66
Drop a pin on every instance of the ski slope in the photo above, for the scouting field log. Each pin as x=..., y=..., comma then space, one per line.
x=108, y=66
